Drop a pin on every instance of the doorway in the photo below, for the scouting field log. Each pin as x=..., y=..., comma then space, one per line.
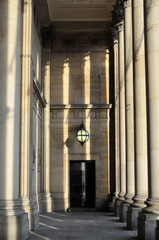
x=82, y=184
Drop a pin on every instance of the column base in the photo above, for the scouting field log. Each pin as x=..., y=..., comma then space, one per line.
x=123, y=211
x=30, y=207
x=147, y=226
x=132, y=217
x=14, y=222
x=116, y=207
x=110, y=207
x=113, y=204
x=47, y=204
x=114, y=199
x=14, y=227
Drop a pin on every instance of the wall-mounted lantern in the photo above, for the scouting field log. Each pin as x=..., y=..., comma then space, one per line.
x=82, y=134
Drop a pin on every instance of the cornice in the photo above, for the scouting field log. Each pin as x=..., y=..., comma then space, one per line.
x=80, y=106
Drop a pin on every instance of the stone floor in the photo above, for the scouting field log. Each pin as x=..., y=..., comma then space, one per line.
x=81, y=225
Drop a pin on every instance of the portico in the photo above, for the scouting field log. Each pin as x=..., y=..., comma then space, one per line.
x=64, y=64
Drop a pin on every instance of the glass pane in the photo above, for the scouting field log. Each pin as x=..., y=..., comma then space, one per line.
x=79, y=138
x=83, y=138
x=83, y=132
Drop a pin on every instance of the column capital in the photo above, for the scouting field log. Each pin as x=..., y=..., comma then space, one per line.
x=117, y=14
x=127, y=3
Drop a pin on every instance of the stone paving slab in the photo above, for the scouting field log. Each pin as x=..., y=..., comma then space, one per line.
x=81, y=225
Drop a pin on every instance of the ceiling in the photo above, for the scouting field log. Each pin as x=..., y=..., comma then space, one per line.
x=75, y=15
x=80, y=10
x=80, y=14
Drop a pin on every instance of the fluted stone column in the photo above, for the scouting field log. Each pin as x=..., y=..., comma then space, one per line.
x=129, y=111
x=46, y=200
x=148, y=216
x=13, y=221
x=29, y=203
x=141, y=177
x=117, y=157
x=122, y=117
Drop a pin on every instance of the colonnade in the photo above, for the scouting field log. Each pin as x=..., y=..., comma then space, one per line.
x=136, y=58
x=20, y=200
x=137, y=104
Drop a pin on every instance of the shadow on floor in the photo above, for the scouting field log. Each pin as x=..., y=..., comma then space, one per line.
x=81, y=225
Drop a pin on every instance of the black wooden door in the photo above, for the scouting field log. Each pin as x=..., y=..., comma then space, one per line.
x=82, y=184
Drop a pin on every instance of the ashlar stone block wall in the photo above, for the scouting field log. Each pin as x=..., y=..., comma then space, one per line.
x=79, y=91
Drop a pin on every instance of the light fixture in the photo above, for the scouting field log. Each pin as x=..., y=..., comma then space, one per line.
x=82, y=134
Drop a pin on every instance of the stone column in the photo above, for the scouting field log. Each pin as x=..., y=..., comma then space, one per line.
x=13, y=221
x=116, y=100
x=46, y=200
x=148, y=216
x=28, y=202
x=141, y=186
x=130, y=176
x=116, y=118
x=122, y=126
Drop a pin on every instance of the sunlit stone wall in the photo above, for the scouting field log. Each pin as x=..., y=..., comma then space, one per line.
x=36, y=133
x=79, y=91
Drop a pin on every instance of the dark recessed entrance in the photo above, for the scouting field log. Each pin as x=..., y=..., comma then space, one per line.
x=82, y=184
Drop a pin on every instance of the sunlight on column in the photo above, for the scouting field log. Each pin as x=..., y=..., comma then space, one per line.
x=87, y=68
x=87, y=126
x=116, y=80
x=66, y=72
x=107, y=102
x=107, y=75
x=12, y=105
x=37, y=151
x=66, y=83
x=87, y=79
x=65, y=159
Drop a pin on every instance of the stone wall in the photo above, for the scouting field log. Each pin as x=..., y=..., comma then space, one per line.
x=79, y=91
x=78, y=70
x=36, y=135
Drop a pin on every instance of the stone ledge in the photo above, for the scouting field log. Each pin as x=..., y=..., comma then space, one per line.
x=80, y=106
